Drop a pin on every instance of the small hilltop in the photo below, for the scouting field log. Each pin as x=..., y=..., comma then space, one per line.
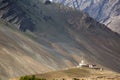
x=81, y=73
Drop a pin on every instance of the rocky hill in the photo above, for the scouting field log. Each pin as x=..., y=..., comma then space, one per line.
x=37, y=38
x=104, y=11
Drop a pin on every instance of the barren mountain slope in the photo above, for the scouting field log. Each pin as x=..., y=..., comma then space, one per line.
x=51, y=37
x=104, y=11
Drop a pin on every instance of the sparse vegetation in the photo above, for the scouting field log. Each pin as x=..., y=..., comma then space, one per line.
x=31, y=78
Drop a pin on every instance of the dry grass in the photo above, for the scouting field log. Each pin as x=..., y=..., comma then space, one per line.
x=79, y=73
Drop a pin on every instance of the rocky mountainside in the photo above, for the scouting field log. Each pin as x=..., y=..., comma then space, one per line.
x=37, y=38
x=104, y=11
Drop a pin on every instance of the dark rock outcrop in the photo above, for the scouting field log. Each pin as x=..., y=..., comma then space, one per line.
x=15, y=14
